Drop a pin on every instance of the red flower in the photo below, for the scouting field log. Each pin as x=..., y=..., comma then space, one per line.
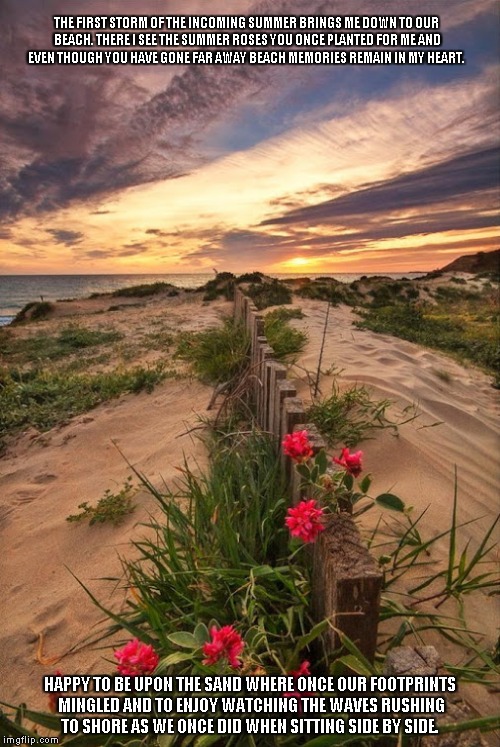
x=304, y=520
x=54, y=696
x=302, y=671
x=297, y=446
x=226, y=643
x=136, y=658
x=350, y=462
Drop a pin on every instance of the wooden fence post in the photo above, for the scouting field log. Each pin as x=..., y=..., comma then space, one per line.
x=346, y=585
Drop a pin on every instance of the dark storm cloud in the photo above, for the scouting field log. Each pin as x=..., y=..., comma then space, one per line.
x=68, y=238
x=76, y=132
x=83, y=132
x=464, y=175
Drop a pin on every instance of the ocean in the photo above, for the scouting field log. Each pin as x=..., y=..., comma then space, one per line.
x=18, y=290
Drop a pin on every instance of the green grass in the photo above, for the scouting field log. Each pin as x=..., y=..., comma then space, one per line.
x=346, y=418
x=35, y=310
x=217, y=354
x=112, y=508
x=468, y=328
x=218, y=551
x=220, y=354
x=42, y=347
x=150, y=289
x=329, y=289
x=272, y=293
x=286, y=341
x=221, y=285
x=42, y=398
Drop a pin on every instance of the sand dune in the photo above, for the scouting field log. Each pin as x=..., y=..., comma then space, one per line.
x=45, y=476
x=458, y=425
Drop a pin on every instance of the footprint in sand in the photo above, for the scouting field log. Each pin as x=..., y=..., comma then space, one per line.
x=25, y=496
x=44, y=477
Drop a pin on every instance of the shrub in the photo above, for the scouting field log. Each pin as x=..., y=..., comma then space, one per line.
x=284, y=340
x=329, y=289
x=451, y=330
x=112, y=507
x=76, y=338
x=48, y=347
x=250, y=277
x=269, y=294
x=150, y=289
x=42, y=398
x=221, y=285
x=349, y=417
x=35, y=310
x=217, y=354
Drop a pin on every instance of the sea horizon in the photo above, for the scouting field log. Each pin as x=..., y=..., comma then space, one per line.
x=18, y=290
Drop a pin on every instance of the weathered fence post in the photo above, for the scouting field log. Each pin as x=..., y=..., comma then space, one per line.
x=346, y=585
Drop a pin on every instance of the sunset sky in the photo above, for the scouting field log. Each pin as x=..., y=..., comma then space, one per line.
x=279, y=168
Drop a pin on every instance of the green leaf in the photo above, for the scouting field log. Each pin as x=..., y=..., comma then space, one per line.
x=166, y=740
x=348, y=481
x=327, y=740
x=389, y=500
x=354, y=663
x=314, y=474
x=184, y=639
x=176, y=658
x=304, y=471
x=37, y=717
x=306, y=639
x=207, y=739
x=321, y=461
x=365, y=483
x=201, y=634
x=354, y=650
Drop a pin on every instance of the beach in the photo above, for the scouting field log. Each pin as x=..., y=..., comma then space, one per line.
x=44, y=476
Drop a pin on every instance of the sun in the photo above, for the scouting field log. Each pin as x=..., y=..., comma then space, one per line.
x=298, y=262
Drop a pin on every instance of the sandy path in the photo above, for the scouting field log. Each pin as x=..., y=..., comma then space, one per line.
x=45, y=478
x=418, y=464
x=42, y=484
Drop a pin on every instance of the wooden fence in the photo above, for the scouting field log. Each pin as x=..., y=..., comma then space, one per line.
x=346, y=580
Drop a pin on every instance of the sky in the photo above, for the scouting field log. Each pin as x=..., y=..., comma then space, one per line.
x=185, y=168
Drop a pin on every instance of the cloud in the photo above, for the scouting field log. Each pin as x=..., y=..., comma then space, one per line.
x=79, y=132
x=99, y=254
x=68, y=238
x=469, y=174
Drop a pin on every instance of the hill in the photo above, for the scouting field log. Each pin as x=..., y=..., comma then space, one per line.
x=479, y=262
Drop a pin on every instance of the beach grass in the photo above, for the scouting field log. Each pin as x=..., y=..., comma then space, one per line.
x=42, y=346
x=43, y=397
x=464, y=325
x=286, y=341
x=221, y=354
x=351, y=416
